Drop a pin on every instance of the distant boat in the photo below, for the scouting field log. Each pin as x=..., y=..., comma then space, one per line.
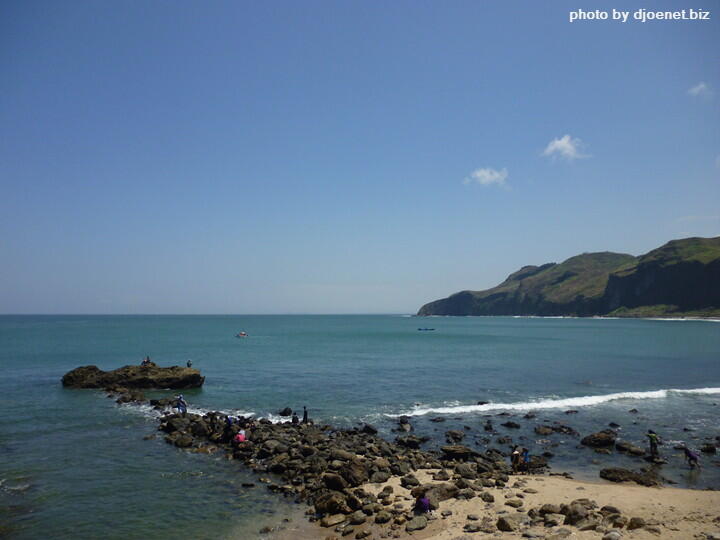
x=241, y=334
x=426, y=329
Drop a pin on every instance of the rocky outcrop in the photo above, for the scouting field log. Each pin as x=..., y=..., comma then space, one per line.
x=134, y=377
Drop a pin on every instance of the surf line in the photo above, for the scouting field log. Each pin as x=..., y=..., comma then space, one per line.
x=581, y=401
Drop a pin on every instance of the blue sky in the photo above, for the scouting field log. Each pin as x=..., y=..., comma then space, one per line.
x=339, y=157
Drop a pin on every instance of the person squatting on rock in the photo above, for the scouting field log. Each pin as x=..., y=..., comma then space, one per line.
x=422, y=505
x=239, y=437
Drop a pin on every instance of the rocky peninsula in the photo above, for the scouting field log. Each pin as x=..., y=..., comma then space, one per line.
x=357, y=484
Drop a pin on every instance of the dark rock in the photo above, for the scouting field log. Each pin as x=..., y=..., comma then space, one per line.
x=287, y=411
x=511, y=425
x=600, y=439
x=708, y=448
x=458, y=452
x=617, y=474
x=454, y=436
x=629, y=448
x=134, y=377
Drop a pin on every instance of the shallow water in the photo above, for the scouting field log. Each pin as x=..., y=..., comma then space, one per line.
x=75, y=464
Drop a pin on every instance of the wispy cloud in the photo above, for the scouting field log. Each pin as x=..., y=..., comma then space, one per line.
x=700, y=90
x=487, y=177
x=565, y=147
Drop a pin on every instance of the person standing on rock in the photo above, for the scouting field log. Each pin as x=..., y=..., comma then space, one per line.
x=515, y=459
x=654, y=441
x=305, y=415
x=181, y=405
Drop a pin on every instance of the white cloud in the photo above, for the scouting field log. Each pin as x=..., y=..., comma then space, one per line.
x=565, y=147
x=487, y=177
x=701, y=90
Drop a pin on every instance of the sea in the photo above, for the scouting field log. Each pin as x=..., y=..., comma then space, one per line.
x=74, y=464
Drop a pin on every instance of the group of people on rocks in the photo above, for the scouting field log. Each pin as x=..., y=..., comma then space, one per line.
x=147, y=362
x=520, y=460
x=296, y=420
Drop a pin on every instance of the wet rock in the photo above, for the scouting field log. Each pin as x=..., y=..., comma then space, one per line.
x=629, y=448
x=454, y=436
x=708, y=448
x=600, y=439
x=543, y=430
x=617, y=474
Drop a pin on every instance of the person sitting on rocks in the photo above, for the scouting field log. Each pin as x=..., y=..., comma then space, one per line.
x=422, y=505
x=146, y=361
x=295, y=419
x=692, y=458
x=239, y=437
x=189, y=363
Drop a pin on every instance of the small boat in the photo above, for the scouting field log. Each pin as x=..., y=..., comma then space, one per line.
x=241, y=334
x=426, y=329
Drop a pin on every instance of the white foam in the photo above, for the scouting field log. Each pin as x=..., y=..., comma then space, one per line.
x=554, y=403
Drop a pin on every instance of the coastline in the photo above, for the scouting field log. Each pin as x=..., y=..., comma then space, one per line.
x=665, y=512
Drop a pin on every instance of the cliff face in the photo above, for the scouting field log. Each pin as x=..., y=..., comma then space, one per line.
x=681, y=276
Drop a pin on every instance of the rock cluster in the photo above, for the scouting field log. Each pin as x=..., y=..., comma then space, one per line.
x=326, y=467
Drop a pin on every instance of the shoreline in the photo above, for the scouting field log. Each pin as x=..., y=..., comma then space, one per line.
x=644, y=512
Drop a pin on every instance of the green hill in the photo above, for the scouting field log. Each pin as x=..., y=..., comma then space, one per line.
x=680, y=278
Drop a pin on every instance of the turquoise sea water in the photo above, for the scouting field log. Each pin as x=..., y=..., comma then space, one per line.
x=75, y=465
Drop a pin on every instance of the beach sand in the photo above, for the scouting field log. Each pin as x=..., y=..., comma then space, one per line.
x=680, y=514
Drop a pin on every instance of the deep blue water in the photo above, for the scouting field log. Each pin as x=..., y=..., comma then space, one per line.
x=75, y=465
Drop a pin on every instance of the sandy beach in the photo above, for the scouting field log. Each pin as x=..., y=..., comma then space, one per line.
x=665, y=512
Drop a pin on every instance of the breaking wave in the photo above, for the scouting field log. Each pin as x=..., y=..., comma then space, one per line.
x=582, y=401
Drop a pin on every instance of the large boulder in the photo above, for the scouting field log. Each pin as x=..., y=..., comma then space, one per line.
x=617, y=474
x=174, y=377
x=601, y=439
